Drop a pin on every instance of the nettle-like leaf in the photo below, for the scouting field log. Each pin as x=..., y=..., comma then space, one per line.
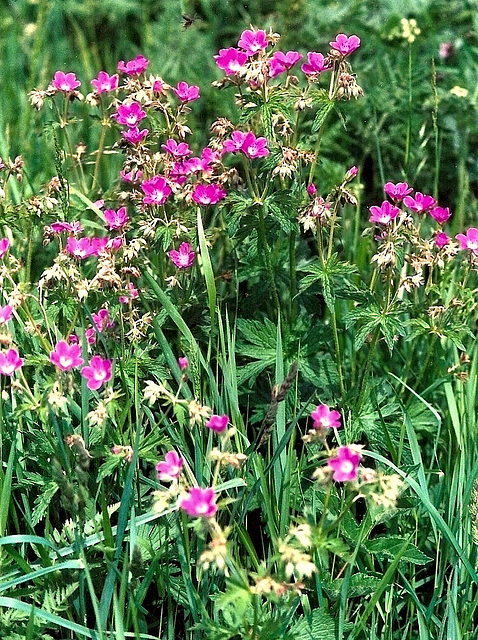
x=390, y=546
x=318, y=624
x=389, y=323
x=359, y=585
x=333, y=276
x=455, y=330
x=324, y=106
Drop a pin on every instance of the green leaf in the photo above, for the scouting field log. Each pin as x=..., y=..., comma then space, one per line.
x=324, y=107
x=318, y=624
x=360, y=584
x=390, y=546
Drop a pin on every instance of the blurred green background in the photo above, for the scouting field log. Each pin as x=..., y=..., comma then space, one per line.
x=416, y=122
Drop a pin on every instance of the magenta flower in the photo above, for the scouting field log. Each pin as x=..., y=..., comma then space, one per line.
x=345, y=465
x=185, y=92
x=97, y=372
x=170, y=468
x=66, y=356
x=383, y=214
x=156, y=190
x=6, y=314
x=234, y=143
x=253, y=147
x=79, y=247
x=134, y=136
x=397, y=191
x=129, y=114
x=90, y=335
x=316, y=63
x=441, y=239
x=311, y=189
x=344, y=44
x=218, y=423
x=66, y=82
x=440, y=214
x=99, y=245
x=324, y=418
x=253, y=41
x=469, y=240
x=420, y=203
x=183, y=258
x=4, y=246
x=133, y=176
x=116, y=219
x=208, y=194
x=199, y=502
x=102, y=320
x=231, y=60
x=132, y=294
x=60, y=227
x=105, y=83
x=133, y=67
x=180, y=150
x=10, y=362
x=281, y=62
x=183, y=363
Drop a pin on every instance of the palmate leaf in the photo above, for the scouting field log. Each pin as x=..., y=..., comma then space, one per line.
x=388, y=322
x=333, y=277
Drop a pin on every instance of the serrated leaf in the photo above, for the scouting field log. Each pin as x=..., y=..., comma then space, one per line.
x=359, y=585
x=318, y=624
x=42, y=501
x=325, y=106
x=389, y=547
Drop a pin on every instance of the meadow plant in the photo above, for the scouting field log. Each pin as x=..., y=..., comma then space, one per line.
x=187, y=319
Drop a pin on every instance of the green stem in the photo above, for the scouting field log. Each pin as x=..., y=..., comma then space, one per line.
x=267, y=256
x=99, y=153
x=368, y=366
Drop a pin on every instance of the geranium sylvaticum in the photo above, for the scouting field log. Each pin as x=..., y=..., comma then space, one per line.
x=134, y=67
x=10, y=362
x=184, y=257
x=199, y=502
x=97, y=372
x=66, y=356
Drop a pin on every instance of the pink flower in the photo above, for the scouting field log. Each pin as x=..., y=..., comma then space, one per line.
x=183, y=363
x=97, y=372
x=156, y=190
x=99, y=245
x=316, y=63
x=185, y=92
x=231, y=60
x=208, y=194
x=79, y=247
x=102, y=320
x=420, y=203
x=397, y=191
x=253, y=147
x=218, y=423
x=105, y=83
x=170, y=468
x=344, y=44
x=441, y=239
x=132, y=294
x=183, y=258
x=235, y=142
x=66, y=82
x=281, y=62
x=6, y=314
x=324, y=418
x=10, y=362
x=66, y=356
x=440, y=214
x=351, y=173
x=445, y=50
x=133, y=67
x=345, y=465
x=180, y=150
x=312, y=189
x=199, y=502
x=134, y=136
x=469, y=240
x=132, y=176
x=116, y=219
x=4, y=246
x=383, y=214
x=129, y=114
x=90, y=335
x=253, y=41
